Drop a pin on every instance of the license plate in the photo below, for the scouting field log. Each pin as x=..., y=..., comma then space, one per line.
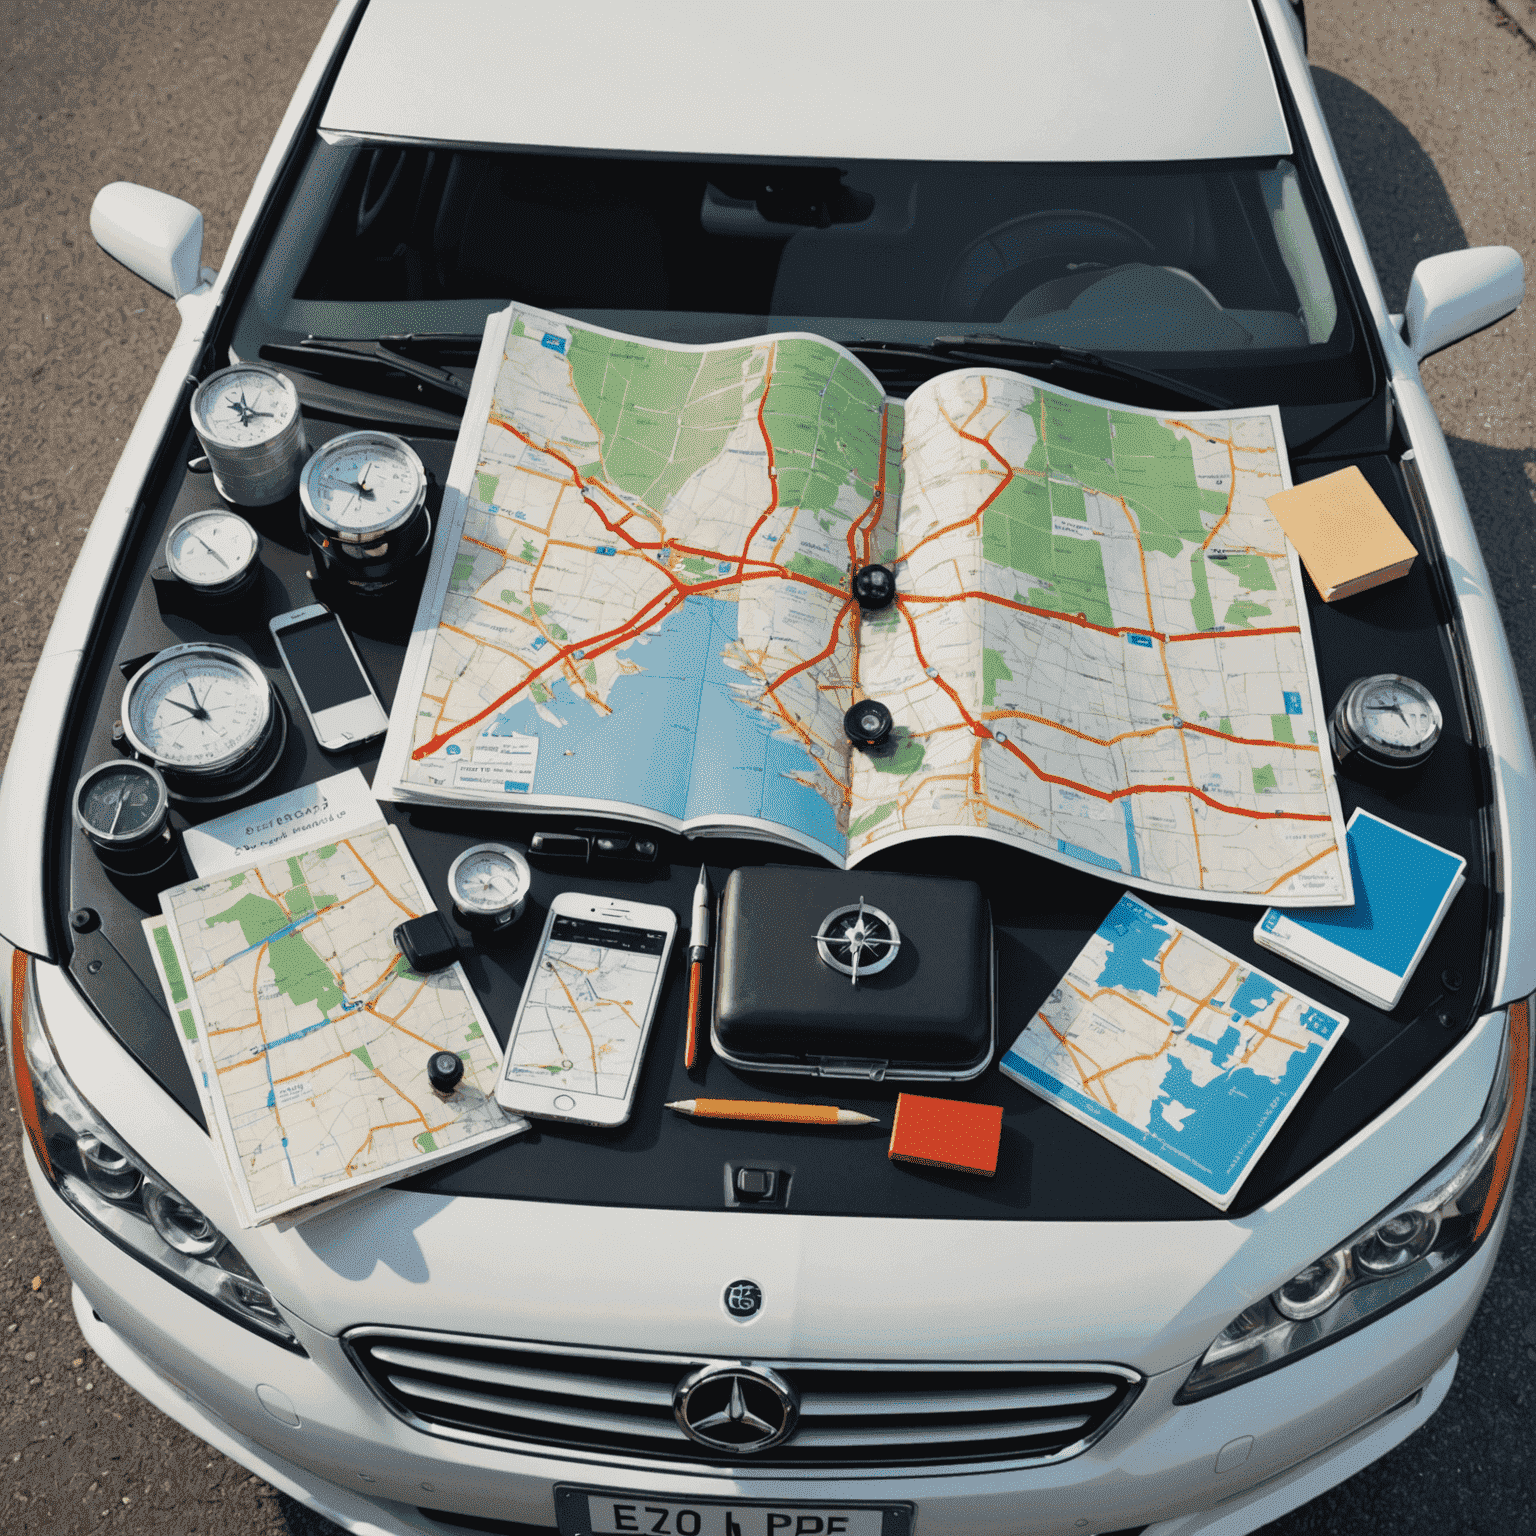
x=594, y=1512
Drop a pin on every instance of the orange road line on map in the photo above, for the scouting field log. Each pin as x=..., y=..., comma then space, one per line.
x=511, y=613
x=400, y=1095
x=1189, y=773
x=494, y=549
x=306, y=1071
x=1290, y=873
x=233, y=1029
x=1079, y=622
x=591, y=1043
x=773, y=473
x=361, y=860
x=1206, y=1002
x=821, y=655
x=1269, y=1034
x=1231, y=497
x=975, y=517
x=1073, y=1052
x=1109, y=741
x=282, y=905
x=1107, y=795
x=395, y=1020
x=368, y=1139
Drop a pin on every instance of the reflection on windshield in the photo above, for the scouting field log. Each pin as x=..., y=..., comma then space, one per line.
x=1216, y=258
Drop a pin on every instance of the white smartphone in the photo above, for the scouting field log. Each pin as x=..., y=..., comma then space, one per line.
x=580, y=1032
x=323, y=665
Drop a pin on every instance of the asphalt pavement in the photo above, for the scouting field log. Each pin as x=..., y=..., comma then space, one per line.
x=1433, y=106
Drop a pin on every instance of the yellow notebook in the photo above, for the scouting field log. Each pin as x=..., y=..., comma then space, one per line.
x=1345, y=536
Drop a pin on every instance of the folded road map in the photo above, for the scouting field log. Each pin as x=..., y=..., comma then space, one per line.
x=1181, y=1053
x=308, y=1035
x=639, y=604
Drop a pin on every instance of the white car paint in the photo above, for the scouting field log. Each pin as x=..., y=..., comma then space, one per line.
x=893, y=79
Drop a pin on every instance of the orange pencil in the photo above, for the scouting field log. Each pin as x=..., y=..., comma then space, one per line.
x=760, y=1109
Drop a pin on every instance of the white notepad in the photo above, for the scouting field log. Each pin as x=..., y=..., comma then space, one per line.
x=1404, y=885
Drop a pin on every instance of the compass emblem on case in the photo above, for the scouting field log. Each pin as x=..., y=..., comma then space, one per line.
x=857, y=940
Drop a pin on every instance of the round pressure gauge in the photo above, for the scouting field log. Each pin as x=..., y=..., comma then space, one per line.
x=489, y=884
x=213, y=553
x=1385, y=721
x=123, y=807
x=207, y=718
x=247, y=419
x=364, y=496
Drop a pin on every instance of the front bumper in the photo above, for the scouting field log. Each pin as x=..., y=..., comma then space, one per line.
x=312, y=1428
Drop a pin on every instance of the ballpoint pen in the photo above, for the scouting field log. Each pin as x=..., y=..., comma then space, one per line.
x=698, y=947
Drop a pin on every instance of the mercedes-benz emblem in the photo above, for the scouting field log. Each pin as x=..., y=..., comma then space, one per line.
x=740, y=1408
x=857, y=940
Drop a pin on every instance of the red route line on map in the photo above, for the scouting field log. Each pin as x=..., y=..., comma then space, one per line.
x=638, y=623
x=1108, y=795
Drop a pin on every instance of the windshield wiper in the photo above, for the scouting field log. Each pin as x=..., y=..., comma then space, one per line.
x=1047, y=354
x=383, y=364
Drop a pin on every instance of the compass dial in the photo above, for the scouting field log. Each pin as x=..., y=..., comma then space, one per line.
x=121, y=803
x=858, y=940
x=363, y=484
x=244, y=406
x=212, y=551
x=199, y=707
x=489, y=883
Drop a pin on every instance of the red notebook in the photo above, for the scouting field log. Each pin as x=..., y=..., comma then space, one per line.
x=946, y=1133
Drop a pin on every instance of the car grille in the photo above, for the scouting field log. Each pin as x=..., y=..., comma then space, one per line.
x=614, y=1404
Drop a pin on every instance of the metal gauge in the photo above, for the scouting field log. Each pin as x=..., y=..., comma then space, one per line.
x=364, y=498
x=213, y=553
x=207, y=718
x=247, y=418
x=123, y=807
x=1387, y=721
x=489, y=885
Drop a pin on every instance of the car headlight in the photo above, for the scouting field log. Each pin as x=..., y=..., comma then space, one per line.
x=115, y=1190
x=1421, y=1238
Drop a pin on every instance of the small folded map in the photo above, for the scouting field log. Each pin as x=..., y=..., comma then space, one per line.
x=307, y=1033
x=1181, y=1053
x=640, y=604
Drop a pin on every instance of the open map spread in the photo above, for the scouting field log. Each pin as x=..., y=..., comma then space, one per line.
x=1174, y=1049
x=307, y=1032
x=640, y=603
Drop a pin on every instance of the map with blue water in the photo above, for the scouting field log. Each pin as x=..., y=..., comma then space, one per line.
x=1176, y=1050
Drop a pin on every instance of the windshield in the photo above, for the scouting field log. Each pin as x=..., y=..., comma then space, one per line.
x=1193, y=266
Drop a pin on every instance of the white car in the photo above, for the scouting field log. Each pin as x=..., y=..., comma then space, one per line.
x=1150, y=209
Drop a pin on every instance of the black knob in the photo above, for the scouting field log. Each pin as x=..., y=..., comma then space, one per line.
x=868, y=723
x=445, y=1071
x=874, y=586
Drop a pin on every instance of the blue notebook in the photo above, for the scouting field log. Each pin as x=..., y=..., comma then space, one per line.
x=1403, y=888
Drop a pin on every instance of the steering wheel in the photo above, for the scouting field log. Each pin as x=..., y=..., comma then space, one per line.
x=384, y=168
x=996, y=270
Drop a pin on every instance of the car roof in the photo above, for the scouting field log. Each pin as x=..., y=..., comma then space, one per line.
x=1029, y=80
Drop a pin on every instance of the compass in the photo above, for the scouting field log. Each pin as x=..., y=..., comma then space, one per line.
x=247, y=418
x=123, y=807
x=1386, y=721
x=857, y=940
x=364, y=500
x=207, y=718
x=213, y=553
x=489, y=884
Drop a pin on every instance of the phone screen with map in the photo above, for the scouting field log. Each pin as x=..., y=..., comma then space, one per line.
x=581, y=1028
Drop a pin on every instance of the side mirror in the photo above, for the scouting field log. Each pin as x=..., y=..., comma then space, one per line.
x=1462, y=292
x=156, y=236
